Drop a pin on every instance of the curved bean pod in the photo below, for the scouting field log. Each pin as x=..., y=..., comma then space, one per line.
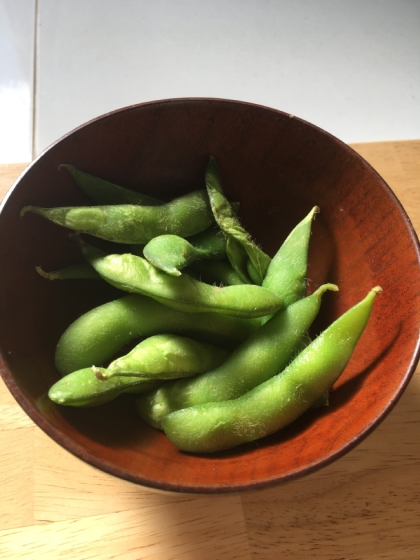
x=238, y=258
x=211, y=242
x=258, y=358
x=134, y=274
x=104, y=192
x=83, y=388
x=280, y=400
x=99, y=334
x=131, y=224
x=286, y=274
x=75, y=271
x=220, y=273
x=172, y=253
x=229, y=222
x=166, y=356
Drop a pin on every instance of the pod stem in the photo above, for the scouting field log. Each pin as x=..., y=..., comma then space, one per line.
x=98, y=374
x=322, y=289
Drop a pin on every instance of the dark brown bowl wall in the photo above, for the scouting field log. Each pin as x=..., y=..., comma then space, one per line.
x=278, y=167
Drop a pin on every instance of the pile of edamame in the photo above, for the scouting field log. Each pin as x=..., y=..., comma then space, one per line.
x=218, y=331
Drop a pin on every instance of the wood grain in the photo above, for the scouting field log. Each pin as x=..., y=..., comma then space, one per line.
x=8, y=174
x=399, y=164
x=364, y=506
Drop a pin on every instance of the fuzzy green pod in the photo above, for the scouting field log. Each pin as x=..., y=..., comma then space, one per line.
x=103, y=192
x=258, y=358
x=100, y=333
x=219, y=273
x=133, y=274
x=286, y=274
x=72, y=272
x=84, y=388
x=226, y=218
x=131, y=224
x=172, y=253
x=166, y=356
x=277, y=402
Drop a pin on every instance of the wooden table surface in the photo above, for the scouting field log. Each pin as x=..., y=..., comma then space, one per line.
x=366, y=505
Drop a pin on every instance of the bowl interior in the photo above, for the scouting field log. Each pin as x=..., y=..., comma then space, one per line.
x=278, y=167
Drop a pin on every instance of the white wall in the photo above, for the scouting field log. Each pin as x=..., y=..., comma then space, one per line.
x=17, y=24
x=349, y=66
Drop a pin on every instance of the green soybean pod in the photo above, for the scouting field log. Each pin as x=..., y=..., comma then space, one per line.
x=103, y=192
x=277, y=402
x=229, y=223
x=219, y=273
x=172, y=253
x=286, y=274
x=211, y=241
x=166, y=356
x=238, y=259
x=131, y=224
x=99, y=334
x=133, y=274
x=257, y=359
x=83, y=388
x=75, y=271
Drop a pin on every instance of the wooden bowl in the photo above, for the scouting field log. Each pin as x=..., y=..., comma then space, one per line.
x=278, y=167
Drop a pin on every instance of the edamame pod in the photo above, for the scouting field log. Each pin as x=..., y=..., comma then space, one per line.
x=277, y=402
x=220, y=273
x=104, y=192
x=131, y=224
x=99, y=334
x=230, y=225
x=172, y=253
x=166, y=356
x=211, y=242
x=75, y=271
x=184, y=293
x=238, y=258
x=83, y=388
x=286, y=274
x=258, y=358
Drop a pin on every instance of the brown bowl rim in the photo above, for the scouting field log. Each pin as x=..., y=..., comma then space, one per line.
x=79, y=452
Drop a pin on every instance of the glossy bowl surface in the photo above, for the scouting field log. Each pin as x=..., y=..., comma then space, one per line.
x=278, y=167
